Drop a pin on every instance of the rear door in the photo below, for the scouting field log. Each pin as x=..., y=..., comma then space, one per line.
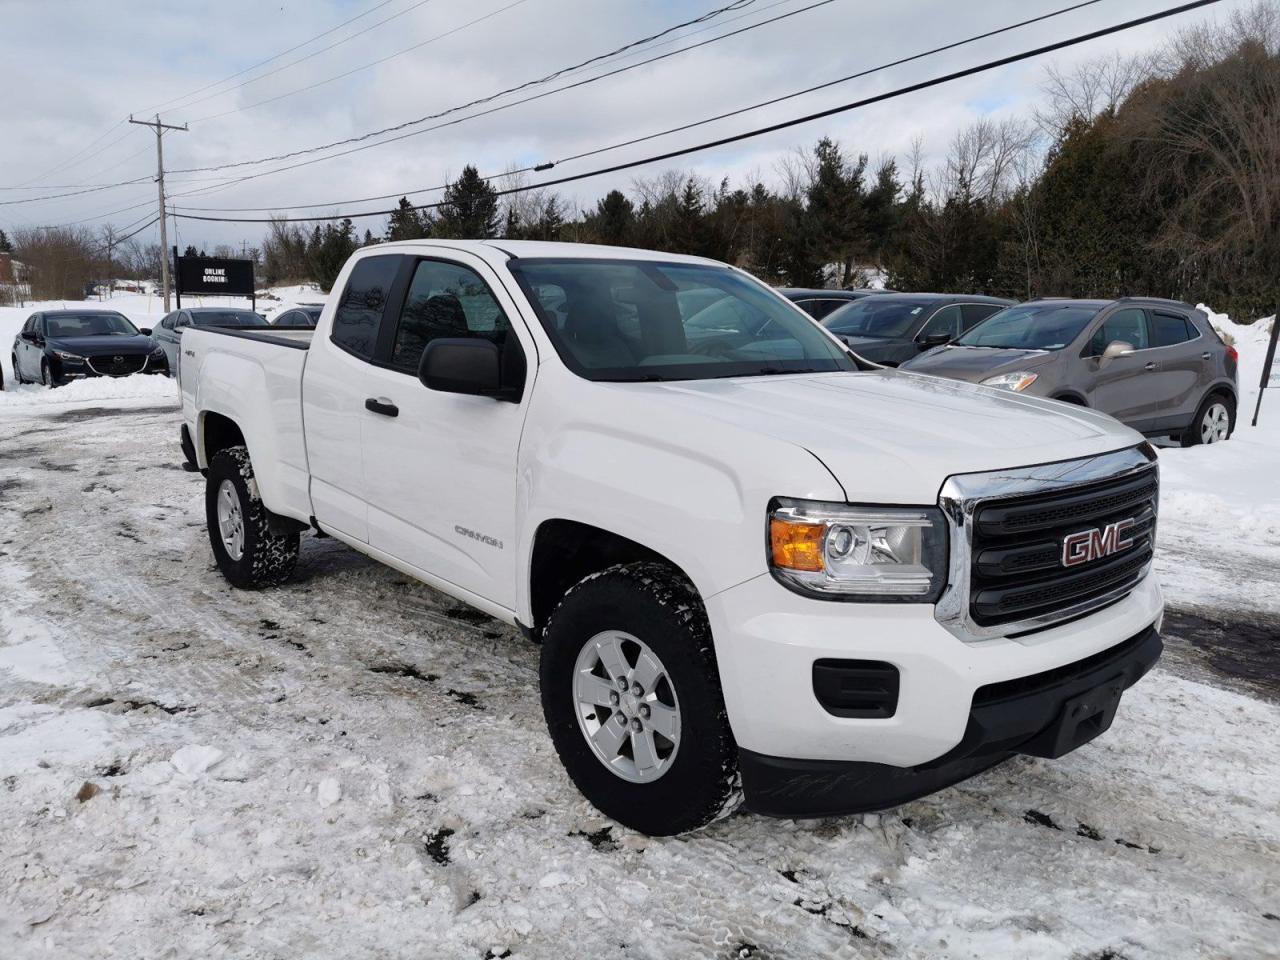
x=1125, y=386
x=1184, y=357
x=440, y=468
x=336, y=381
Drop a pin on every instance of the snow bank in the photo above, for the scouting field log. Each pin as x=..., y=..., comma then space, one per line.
x=30, y=398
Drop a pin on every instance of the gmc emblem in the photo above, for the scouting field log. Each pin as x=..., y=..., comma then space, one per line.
x=1088, y=545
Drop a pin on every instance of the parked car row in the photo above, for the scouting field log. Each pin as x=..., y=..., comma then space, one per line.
x=1155, y=365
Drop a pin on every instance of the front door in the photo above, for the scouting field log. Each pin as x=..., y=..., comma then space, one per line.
x=440, y=468
x=337, y=379
x=1124, y=387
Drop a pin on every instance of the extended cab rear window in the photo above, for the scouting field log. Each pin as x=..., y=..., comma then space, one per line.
x=359, y=313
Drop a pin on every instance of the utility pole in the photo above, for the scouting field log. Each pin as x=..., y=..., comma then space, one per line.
x=159, y=129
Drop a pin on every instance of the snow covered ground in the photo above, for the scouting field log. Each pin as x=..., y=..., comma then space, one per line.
x=356, y=766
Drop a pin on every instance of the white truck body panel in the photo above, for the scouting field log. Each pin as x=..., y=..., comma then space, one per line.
x=454, y=490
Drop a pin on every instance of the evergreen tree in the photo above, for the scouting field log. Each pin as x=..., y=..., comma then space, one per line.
x=5, y=245
x=369, y=239
x=835, y=206
x=329, y=250
x=470, y=208
x=881, y=209
x=615, y=219
x=405, y=223
x=550, y=221
x=190, y=251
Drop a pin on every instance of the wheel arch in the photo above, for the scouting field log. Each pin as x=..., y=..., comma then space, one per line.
x=216, y=431
x=565, y=551
x=1071, y=396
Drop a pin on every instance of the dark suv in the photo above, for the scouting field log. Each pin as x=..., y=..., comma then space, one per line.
x=891, y=328
x=1156, y=365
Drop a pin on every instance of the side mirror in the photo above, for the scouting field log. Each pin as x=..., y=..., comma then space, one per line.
x=145, y=331
x=466, y=365
x=934, y=340
x=30, y=336
x=1115, y=349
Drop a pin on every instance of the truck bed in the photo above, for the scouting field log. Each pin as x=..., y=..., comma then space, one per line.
x=299, y=338
x=252, y=378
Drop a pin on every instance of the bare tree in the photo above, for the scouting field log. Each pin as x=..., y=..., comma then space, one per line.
x=1090, y=88
x=984, y=157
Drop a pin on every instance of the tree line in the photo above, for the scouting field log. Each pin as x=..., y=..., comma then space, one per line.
x=1156, y=174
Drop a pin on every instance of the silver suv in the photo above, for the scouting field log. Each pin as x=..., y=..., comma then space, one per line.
x=1155, y=365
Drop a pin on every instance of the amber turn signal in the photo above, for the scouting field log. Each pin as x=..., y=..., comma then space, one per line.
x=797, y=546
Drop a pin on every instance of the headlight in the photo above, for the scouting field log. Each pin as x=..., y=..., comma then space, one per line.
x=1017, y=382
x=839, y=551
x=63, y=355
x=158, y=353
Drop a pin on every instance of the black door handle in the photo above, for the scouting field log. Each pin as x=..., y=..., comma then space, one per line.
x=377, y=406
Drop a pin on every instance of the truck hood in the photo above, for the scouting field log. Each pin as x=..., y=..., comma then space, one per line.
x=974, y=364
x=894, y=437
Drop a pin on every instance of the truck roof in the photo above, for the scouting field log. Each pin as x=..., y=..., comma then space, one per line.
x=541, y=248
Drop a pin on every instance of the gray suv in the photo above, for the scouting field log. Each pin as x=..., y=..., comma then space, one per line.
x=1156, y=365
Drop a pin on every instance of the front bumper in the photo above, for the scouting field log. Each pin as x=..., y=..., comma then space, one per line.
x=1046, y=715
x=768, y=639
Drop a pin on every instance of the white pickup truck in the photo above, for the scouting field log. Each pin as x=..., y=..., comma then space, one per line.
x=759, y=567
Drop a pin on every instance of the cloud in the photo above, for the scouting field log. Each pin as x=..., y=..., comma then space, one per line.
x=79, y=67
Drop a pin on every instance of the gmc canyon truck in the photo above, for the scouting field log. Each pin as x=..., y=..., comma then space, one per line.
x=760, y=568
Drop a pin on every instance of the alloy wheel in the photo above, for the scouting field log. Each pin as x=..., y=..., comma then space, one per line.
x=626, y=706
x=230, y=520
x=1216, y=425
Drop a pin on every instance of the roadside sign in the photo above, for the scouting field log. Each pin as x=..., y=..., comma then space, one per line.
x=214, y=276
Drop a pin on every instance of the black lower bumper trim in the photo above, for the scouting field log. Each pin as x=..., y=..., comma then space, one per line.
x=1044, y=715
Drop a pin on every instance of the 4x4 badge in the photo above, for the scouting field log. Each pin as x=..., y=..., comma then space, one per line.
x=1087, y=545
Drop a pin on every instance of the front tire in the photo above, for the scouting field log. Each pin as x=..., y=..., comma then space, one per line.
x=632, y=700
x=46, y=376
x=248, y=552
x=1214, y=422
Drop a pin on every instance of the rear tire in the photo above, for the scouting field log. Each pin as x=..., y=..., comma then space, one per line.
x=17, y=374
x=674, y=760
x=1214, y=422
x=248, y=552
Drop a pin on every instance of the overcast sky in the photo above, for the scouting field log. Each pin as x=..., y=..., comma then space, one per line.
x=75, y=69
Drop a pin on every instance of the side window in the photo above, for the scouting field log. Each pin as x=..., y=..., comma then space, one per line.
x=820, y=308
x=812, y=307
x=167, y=322
x=1168, y=329
x=971, y=314
x=181, y=319
x=945, y=321
x=445, y=300
x=355, y=322
x=1128, y=326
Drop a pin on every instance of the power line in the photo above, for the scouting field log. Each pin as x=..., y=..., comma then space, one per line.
x=366, y=66
x=263, y=63
x=735, y=5
x=314, y=53
x=678, y=129
x=771, y=128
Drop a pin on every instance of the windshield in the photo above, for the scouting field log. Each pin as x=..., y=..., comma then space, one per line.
x=89, y=325
x=1036, y=326
x=227, y=318
x=641, y=320
x=877, y=316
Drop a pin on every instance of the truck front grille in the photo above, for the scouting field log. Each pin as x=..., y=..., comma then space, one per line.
x=1018, y=548
x=1035, y=546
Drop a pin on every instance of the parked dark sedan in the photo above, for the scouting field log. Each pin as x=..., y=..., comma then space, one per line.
x=55, y=346
x=893, y=328
x=818, y=303
x=305, y=316
x=169, y=333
